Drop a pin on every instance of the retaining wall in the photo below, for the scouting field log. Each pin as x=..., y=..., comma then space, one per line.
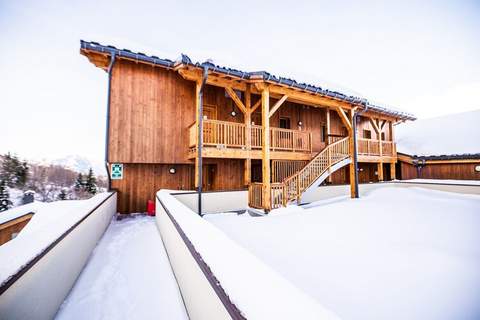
x=40, y=286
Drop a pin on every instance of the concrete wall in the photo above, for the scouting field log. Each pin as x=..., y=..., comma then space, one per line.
x=328, y=192
x=39, y=292
x=215, y=202
x=201, y=301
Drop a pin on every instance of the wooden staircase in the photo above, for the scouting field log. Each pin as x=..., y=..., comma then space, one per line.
x=312, y=174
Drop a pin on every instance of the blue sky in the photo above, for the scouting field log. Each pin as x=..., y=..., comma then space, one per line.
x=421, y=56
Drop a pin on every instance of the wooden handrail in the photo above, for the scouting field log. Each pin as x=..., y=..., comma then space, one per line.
x=233, y=135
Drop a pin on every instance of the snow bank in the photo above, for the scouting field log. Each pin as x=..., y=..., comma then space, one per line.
x=447, y=135
x=398, y=253
x=257, y=290
x=48, y=223
x=16, y=212
x=444, y=181
x=128, y=276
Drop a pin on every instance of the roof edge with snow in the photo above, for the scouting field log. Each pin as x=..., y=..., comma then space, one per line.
x=255, y=75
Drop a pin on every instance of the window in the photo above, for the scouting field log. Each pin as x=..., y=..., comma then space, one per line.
x=323, y=133
x=367, y=134
x=284, y=123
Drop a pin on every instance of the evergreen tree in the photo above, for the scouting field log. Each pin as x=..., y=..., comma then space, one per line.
x=63, y=195
x=5, y=202
x=21, y=174
x=79, y=183
x=13, y=171
x=91, y=182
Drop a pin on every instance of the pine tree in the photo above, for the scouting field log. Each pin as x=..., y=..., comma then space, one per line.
x=79, y=183
x=63, y=195
x=91, y=182
x=5, y=202
x=21, y=174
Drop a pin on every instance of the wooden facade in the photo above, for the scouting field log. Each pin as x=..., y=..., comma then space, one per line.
x=457, y=169
x=249, y=127
x=9, y=229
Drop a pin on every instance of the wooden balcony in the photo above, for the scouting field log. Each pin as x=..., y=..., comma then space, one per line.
x=370, y=150
x=223, y=139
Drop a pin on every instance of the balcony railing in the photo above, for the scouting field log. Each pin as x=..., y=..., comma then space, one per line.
x=226, y=134
x=370, y=147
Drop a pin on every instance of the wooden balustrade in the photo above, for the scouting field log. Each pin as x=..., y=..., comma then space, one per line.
x=255, y=195
x=370, y=147
x=233, y=135
x=282, y=169
x=299, y=182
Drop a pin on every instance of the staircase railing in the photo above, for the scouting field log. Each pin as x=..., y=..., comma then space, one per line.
x=296, y=184
x=293, y=186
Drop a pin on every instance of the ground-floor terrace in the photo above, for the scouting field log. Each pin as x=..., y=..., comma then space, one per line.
x=404, y=250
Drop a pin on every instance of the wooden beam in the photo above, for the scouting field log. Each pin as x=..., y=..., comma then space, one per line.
x=380, y=171
x=256, y=105
x=266, y=149
x=329, y=178
x=248, y=136
x=374, y=125
x=393, y=172
x=351, y=134
x=277, y=105
x=383, y=124
x=236, y=99
x=345, y=119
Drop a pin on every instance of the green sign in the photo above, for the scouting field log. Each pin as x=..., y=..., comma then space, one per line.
x=117, y=171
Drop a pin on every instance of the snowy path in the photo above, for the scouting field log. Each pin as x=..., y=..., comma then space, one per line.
x=394, y=254
x=128, y=276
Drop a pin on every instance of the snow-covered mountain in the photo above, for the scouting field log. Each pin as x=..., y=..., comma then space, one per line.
x=77, y=163
x=80, y=164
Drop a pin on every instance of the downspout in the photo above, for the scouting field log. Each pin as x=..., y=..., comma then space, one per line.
x=107, y=130
x=355, y=157
x=200, y=139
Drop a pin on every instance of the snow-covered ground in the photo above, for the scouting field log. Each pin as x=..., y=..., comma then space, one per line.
x=128, y=276
x=49, y=222
x=457, y=133
x=398, y=253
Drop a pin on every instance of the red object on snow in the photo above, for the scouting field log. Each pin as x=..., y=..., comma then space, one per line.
x=150, y=208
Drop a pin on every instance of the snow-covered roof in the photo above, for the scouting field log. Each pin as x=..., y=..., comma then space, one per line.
x=17, y=212
x=455, y=134
x=48, y=223
x=312, y=87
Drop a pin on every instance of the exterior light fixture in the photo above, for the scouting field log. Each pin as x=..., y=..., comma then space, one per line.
x=477, y=168
x=233, y=113
x=172, y=170
x=300, y=123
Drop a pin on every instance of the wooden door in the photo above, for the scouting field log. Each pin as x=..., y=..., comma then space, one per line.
x=208, y=176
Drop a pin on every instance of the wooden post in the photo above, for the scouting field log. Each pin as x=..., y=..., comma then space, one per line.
x=380, y=165
x=327, y=141
x=197, y=122
x=393, y=171
x=266, y=148
x=248, y=136
x=352, y=151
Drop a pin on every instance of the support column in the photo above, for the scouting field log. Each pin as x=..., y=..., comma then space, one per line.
x=248, y=136
x=327, y=141
x=266, y=149
x=197, y=123
x=393, y=171
x=380, y=165
x=352, y=132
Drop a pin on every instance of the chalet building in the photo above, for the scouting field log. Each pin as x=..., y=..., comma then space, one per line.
x=275, y=136
x=429, y=150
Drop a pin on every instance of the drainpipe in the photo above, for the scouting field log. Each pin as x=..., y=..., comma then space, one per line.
x=355, y=157
x=200, y=139
x=107, y=130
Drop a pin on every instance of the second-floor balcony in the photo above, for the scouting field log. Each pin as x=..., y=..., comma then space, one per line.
x=224, y=139
x=224, y=136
